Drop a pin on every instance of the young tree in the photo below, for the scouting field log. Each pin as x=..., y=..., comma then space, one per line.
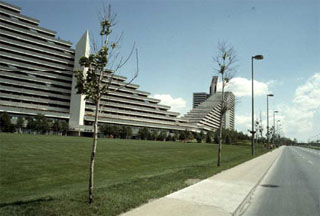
x=225, y=59
x=169, y=138
x=216, y=138
x=162, y=136
x=174, y=137
x=182, y=135
x=200, y=137
x=64, y=127
x=129, y=132
x=57, y=126
x=19, y=124
x=209, y=138
x=125, y=132
x=154, y=135
x=42, y=124
x=5, y=123
x=257, y=126
x=97, y=80
x=143, y=133
x=189, y=135
x=31, y=125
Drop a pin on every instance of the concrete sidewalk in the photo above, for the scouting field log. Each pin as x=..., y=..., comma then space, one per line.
x=221, y=194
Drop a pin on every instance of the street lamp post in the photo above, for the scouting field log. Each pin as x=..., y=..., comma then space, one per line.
x=278, y=125
x=269, y=95
x=278, y=131
x=274, y=123
x=256, y=57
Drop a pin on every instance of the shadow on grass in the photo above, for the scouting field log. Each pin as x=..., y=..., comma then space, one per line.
x=21, y=202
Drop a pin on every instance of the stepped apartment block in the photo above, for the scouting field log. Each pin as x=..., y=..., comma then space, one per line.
x=37, y=77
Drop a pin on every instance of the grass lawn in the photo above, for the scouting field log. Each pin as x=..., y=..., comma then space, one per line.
x=48, y=175
x=312, y=147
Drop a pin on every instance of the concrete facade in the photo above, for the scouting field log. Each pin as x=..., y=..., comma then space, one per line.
x=36, y=67
x=206, y=114
x=37, y=77
x=199, y=97
x=78, y=103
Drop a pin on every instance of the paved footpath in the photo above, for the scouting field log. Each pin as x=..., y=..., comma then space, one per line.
x=292, y=186
x=222, y=194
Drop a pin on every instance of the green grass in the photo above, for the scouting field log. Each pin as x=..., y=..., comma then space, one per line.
x=48, y=175
x=312, y=147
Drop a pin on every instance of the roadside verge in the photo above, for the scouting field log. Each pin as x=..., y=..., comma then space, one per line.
x=221, y=194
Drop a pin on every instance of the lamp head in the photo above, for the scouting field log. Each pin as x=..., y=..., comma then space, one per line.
x=270, y=95
x=258, y=57
x=275, y=111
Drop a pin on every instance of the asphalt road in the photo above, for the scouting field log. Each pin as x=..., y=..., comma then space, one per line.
x=291, y=187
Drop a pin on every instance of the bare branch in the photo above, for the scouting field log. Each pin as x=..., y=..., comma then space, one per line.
x=93, y=43
x=113, y=60
x=121, y=64
x=93, y=85
x=135, y=75
x=115, y=46
x=226, y=58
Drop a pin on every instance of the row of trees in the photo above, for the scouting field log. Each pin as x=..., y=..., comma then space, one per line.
x=93, y=84
x=42, y=125
x=37, y=124
x=6, y=125
x=126, y=132
x=123, y=132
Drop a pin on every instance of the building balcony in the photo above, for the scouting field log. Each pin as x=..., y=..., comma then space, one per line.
x=34, y=61
x=36, y=55
x=33, y=79
x=33, y=111
x=38, y=49
x=122, y=111
x=14, y=25
x=26, y=66
x=21, y=36
x=15, y=90
x=37, y=107
x=47, y=88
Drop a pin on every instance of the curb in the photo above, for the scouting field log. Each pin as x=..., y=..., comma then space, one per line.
x=244, y=204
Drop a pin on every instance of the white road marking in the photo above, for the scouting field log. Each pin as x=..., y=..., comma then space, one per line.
x=310, y=162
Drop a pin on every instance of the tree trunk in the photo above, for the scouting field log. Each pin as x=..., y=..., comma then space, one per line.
x=93, y=153
x=221, y=118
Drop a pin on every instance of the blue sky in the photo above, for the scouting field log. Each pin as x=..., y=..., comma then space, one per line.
x=177, y=40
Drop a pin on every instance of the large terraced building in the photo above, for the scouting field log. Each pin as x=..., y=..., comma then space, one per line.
x=206, y=109
x=37, y=77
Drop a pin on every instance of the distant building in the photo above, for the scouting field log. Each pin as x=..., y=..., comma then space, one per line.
x=37, y=77
x=36, y=67
x=214, y=85
x=127, y=106
x=206, y=109
x=199, y=97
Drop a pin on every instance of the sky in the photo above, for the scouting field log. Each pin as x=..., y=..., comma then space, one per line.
x=177, y=41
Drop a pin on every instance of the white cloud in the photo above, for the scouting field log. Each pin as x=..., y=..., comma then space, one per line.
x=273, y=83
x=243, y=87
x=307, y=96
x=243, y=122
x=176, y=104
x=299, y=119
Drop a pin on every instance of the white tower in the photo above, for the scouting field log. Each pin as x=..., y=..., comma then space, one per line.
x=78, y=104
